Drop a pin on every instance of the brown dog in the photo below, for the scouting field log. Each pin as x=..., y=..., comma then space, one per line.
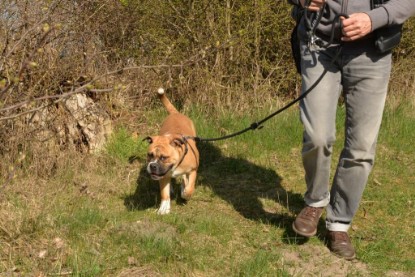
x=171, y=154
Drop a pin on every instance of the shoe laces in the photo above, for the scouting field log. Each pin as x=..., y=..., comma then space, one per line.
x=311, y=211
x=341, y=236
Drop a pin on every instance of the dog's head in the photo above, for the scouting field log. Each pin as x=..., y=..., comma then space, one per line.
x=164, y=154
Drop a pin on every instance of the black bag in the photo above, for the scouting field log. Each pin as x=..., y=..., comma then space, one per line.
x=295, y=49
x=387, y=37
x=297, y=14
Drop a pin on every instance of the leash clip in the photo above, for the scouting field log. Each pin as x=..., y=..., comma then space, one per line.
x=312, y=42
x=256, y=125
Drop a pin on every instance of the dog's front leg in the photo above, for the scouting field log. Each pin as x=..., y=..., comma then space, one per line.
x=189, y=185
x=165, y=197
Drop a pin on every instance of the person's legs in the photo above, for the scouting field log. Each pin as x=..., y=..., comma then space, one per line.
x=365, y=81
x=318, y=114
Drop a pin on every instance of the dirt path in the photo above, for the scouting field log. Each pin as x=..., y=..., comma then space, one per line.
x=313, y=260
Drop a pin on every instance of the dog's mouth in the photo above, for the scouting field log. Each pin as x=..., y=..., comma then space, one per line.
x=157, y=174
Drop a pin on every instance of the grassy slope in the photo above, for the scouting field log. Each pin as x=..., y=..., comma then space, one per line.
x=96, y=217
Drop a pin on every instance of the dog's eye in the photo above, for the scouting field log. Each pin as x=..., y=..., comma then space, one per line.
x=150, y=156
x=163, y=158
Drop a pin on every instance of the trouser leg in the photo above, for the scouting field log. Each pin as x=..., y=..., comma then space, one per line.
x=318, y=114
x=365, y=81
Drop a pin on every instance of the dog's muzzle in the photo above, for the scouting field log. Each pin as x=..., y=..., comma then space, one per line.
x=157, y=171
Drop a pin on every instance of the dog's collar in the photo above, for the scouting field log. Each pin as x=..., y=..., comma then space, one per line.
x=186, y=149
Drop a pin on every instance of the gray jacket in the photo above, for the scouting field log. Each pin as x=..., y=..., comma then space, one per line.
x=393, y=12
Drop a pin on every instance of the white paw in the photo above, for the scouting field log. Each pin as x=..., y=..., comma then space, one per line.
x=183, y=193
x=164, y=207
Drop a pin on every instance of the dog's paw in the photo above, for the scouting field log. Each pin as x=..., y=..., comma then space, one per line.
x=164, y=207
x=184, y=194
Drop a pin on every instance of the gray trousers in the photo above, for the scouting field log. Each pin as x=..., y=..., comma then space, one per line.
x=363, y=79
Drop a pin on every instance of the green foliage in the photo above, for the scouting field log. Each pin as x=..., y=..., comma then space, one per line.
x=123, y=146
x=226, y=63
x=260, y=264
x=221, y=55
x=83, y=217
x=241, y=46
x=238, y=223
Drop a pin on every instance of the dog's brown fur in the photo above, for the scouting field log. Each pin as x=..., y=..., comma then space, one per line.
x=171, y=155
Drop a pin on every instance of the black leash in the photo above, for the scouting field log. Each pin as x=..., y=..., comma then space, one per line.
x=258, y=124
x=186, y=149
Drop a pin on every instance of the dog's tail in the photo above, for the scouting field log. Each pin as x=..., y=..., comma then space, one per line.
x=166, y=102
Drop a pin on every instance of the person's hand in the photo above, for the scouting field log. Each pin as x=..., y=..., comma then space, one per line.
x=314, y=6
x=356, y=26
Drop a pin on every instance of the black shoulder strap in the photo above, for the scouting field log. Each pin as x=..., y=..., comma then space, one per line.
x=377, y=3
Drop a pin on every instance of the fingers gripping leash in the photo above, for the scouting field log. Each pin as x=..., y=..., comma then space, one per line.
x=312, y=19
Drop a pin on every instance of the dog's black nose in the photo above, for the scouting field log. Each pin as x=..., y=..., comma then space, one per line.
x=153, y=166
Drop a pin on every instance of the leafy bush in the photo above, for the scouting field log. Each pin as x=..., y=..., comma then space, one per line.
x=220, y=54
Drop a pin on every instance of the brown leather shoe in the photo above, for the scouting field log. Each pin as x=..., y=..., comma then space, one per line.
x=306, y=222
x=339, y=243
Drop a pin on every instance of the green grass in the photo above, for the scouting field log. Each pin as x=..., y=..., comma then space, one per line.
x=96, y=215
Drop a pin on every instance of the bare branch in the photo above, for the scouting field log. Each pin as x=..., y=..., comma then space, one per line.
x=25, y=63
x=87, y=86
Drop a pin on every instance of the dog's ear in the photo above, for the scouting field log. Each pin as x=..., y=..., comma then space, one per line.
x=148, y=139
x=177, y=142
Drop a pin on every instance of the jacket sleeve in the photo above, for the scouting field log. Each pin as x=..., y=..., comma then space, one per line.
x=294, y=2
x=391, y=13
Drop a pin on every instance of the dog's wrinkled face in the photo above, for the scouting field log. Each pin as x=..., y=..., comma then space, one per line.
x=162, y=156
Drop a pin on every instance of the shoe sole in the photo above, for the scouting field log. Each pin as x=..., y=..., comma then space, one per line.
x=343, y=257
x=304, y=234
